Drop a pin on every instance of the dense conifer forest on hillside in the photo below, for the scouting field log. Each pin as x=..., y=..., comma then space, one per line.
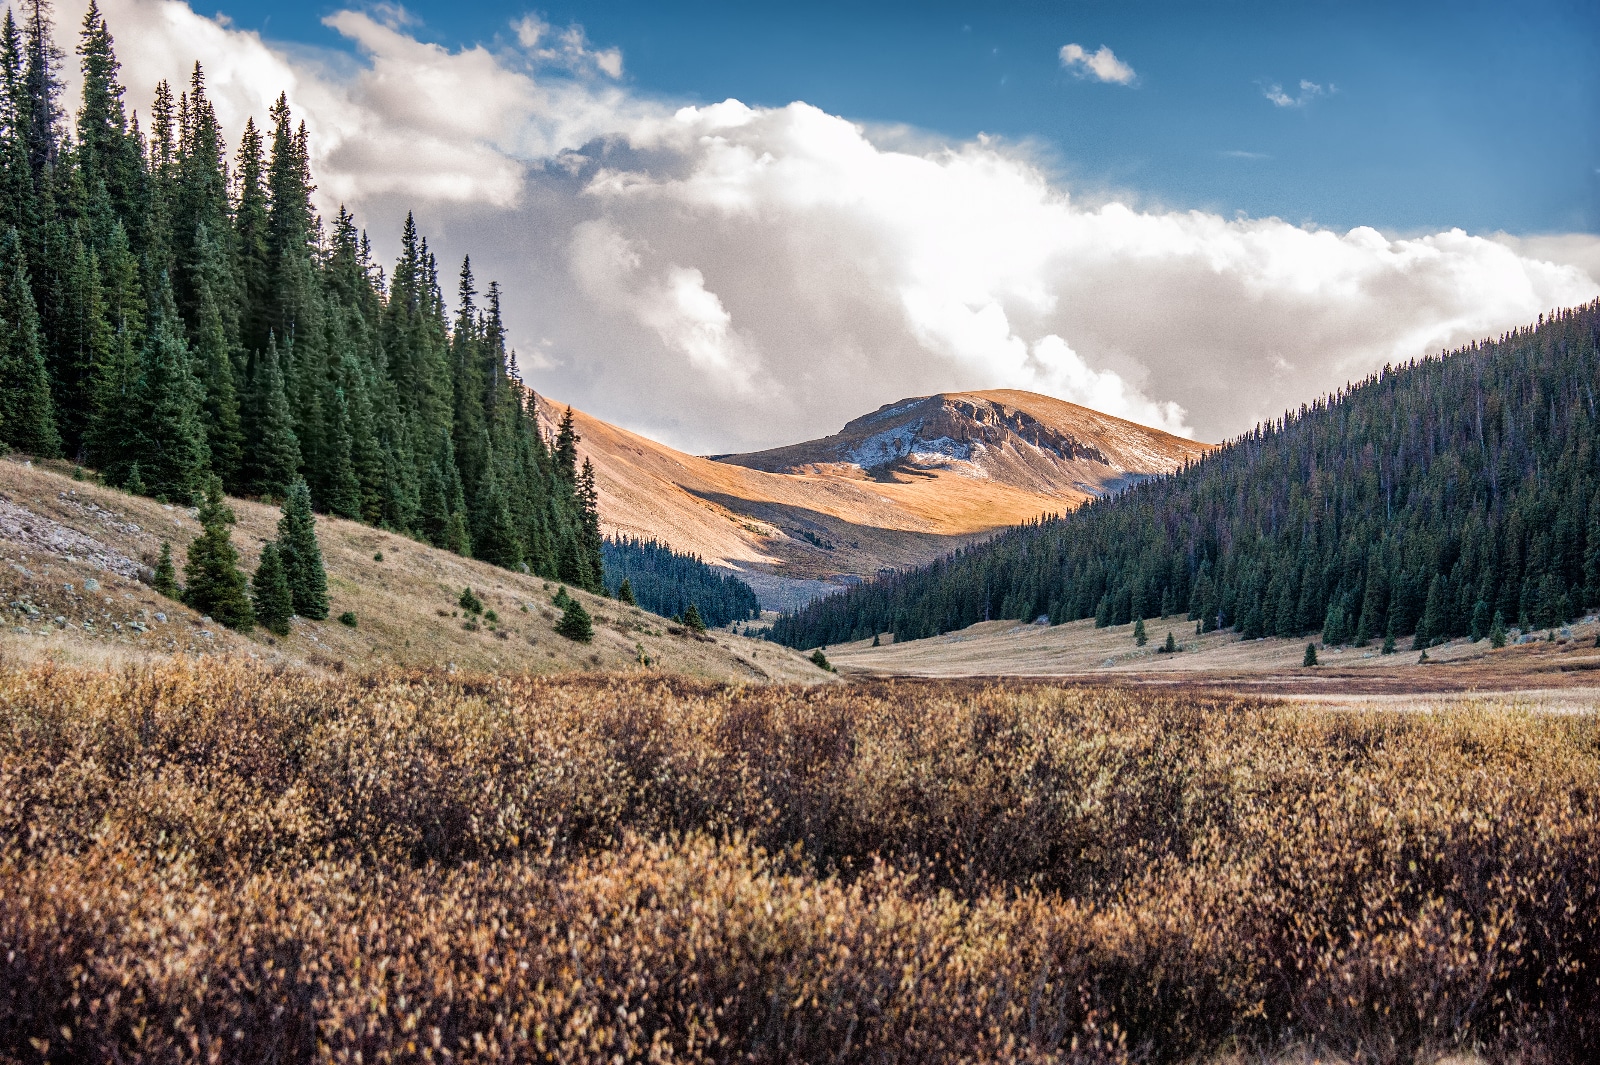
x=169, y=315
x=666, y=582
x=1428, y=501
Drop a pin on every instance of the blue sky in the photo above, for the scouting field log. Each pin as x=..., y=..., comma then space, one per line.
x=1195, y=217
x=1431, y=115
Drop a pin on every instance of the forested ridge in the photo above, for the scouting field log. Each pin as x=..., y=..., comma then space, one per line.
x=665, y=582
x=166, y=316
x=1426, y=501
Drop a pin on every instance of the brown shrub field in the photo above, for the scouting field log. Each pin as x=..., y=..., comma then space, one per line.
x=216, y=861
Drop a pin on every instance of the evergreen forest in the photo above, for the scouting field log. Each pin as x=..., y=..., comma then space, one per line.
x=1436, y=499
x=668, y=583
x=172, y=311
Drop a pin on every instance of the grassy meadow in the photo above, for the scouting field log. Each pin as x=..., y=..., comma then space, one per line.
x=221, y=861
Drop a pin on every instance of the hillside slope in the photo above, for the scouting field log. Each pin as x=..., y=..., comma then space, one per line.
x=73, y=555
x=880, y=495
x=1424, y=502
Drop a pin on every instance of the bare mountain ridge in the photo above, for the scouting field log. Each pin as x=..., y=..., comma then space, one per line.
x=1017, y=438
x=895, y=488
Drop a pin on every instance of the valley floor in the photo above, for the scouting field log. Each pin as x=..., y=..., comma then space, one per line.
x=1079, y=652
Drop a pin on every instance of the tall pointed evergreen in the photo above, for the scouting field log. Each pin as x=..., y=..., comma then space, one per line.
x=169, y=411
x=42, y=76
x=274, y=455
x=214, y=360
x=270, y=594
x=107, y=152
x=213, y=584
x=116, y=370
x=302, y=555
x=27, y=417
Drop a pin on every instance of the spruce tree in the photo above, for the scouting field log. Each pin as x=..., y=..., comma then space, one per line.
x=107, y=154
x=1310, y=658
x=1333, y=633
x=42, y=77
x=693, y=620
x=171, y=439
x=1497, y=631
x=165, y=580
x=1170, y=647
x=1139, y=637
x=341, y=494
x=1480, y=621
x=302, y=555
x=215, y=363
x=625, y=593
x=575, y=623
x=274, y=455
x=109, y=442
x=27, y=415
x=273, y=601
x=213, y=584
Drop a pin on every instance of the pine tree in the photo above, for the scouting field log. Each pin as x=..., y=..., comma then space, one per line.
x=270, y=594
x=302, y=555
x=566, y=449
x=1497, y=631
x=625, y=593
x=693, y=620
x=106, y=152
x=214, y=362
x=1139, y=638
x=41, y=75
x=274, y=457
x=1171, y=646
x=27, y=415
x=1480, y=621
x=1310, y=658
x=165, y=580
x=575, y=623
x=1333, y=633
x=171, y=439
x=213, y=584
x=1431, y=626
x=114, y=372
x=250, y=226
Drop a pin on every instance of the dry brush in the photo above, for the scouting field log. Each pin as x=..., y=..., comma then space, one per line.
x=221, y=862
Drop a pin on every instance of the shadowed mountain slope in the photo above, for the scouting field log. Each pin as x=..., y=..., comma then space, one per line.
x=894, y=489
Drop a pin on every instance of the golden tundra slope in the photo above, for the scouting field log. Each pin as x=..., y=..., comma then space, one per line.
x=75, y=562
x=897, y=487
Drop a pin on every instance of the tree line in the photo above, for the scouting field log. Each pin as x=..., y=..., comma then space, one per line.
x=1435, y=499
x=167, y=316
x=668, y=583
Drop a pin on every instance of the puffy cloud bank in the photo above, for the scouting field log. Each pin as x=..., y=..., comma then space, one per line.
x=726, y=277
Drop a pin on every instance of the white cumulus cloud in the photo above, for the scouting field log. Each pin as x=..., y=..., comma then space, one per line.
x=1102, y=64
x=728, y=277
x=1309, y=90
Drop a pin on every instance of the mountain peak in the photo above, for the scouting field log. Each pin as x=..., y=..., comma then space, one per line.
x=1018, y=438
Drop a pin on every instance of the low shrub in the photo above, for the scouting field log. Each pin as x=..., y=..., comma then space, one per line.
x=229, y=862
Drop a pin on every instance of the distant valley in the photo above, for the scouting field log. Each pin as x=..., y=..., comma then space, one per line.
x=893, y=489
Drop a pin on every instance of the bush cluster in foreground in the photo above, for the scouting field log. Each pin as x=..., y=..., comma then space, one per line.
x=231, y=864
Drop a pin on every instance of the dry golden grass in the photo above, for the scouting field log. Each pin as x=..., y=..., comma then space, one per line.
x=1080, y=651
x=220, y=861
x=406, y=604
